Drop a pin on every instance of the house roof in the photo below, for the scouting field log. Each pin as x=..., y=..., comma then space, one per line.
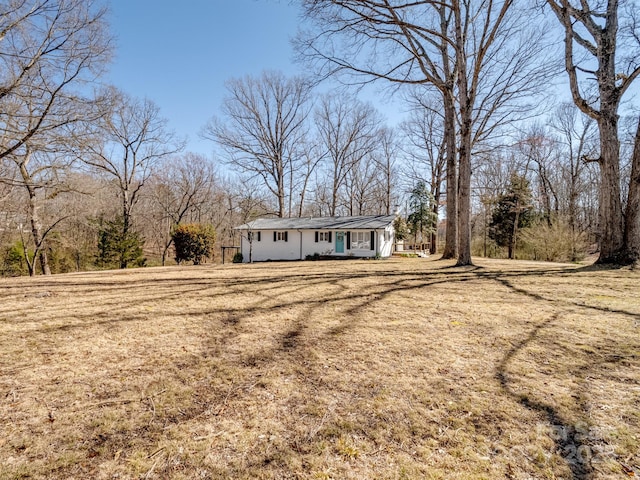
x=365, y=222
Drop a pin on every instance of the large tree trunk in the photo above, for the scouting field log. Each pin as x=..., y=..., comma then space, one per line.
x=464, y=201
x=451, y=235
x=632, y=214
x=465, y=99
x=610, y=211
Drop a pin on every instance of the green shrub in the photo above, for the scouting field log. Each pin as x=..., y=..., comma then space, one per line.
x=238, y=258
x=555, y=243
x=193, y=242
x=13, y=263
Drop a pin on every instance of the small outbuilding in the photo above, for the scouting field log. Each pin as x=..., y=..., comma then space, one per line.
x=297, y=238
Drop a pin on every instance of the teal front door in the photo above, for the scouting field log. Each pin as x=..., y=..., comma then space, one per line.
x=339, y=242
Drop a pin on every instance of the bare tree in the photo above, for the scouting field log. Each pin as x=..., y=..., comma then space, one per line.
x=575, y=135
x=42, y=177
x=347, y=129
x=631, y=234
x=359, y=188
x=540, y=149
x=603, y=49
x=426, y=150
x=406, y=43
x=495, y=69
x=475, y=53
x=181, y=186
x=49, y=49
x=131, y=142
x=310, y=157
x=386, y=159
x=264, y=125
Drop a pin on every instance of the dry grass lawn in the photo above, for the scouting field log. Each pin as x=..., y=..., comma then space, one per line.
x=396, y=369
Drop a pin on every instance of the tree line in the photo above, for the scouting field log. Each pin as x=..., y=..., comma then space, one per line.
x=487, y=62
x=91, y=177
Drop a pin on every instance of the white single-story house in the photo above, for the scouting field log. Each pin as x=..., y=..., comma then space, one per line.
x=296, y=238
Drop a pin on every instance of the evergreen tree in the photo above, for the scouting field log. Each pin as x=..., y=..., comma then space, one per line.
x=512, y=213
x=400, y=228
x=422, y=220
x=118, y=247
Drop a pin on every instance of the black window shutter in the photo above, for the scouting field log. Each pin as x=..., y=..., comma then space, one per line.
x=329, y=237
x=373, y=240
x=258, y=236
x=286, y=236
x=275, y=236
x=316, y=237
x=348, y=240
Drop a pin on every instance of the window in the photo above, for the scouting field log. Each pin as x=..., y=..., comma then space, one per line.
x=360, y=240
x=253, y=236
x=280, y=236
x=323, y=237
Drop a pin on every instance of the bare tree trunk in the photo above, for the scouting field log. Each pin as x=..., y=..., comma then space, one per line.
x=545, y=193
x=36, y=232
x=451, y=235
x=632, y=213
x=165, y=251
x=595, y=29
x=334, y=197
x=281, y=193
x=464, y=204
x=36, y=226
x=387, y=193
x=464, y=153
x=290, y=200
x=513, y=242
x=303, y=193
x=610, y=212
x=434, y=231
x=126, y=225
x=44, y=262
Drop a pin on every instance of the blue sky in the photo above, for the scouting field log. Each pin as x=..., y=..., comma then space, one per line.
x=179, y=54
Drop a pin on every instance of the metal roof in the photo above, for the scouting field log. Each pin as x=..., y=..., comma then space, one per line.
x=364, y=222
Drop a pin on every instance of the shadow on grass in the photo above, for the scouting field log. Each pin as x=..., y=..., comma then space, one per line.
x=569, y=434
x=567, y=438
x=268, y=297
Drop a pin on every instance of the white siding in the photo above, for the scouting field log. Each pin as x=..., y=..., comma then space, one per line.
x=310, y=247
x=267, y=249
x=385, y=248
